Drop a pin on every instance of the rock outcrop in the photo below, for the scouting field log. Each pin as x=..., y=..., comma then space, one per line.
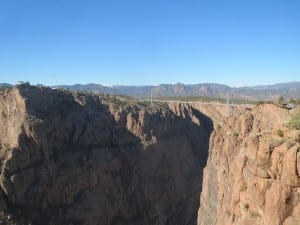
x=252, y=174
x=82, y=159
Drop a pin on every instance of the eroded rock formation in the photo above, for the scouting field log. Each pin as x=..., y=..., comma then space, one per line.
x=80, y=159
x=252, y=174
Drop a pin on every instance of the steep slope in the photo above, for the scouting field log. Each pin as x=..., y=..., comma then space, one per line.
x=252, y=175
x=80, y=159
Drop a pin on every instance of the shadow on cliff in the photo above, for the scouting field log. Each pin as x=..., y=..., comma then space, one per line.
x=170, y=170
x=207, y=126
x=85, y=168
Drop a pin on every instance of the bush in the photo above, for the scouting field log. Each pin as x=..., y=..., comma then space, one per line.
x=235, y=134
x=280, y=133
x=295, y=122
x=292, y=101
x=254, y=213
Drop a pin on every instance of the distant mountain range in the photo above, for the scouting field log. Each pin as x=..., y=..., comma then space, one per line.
x=5, y=85
x=266, y=92
x=261, y=92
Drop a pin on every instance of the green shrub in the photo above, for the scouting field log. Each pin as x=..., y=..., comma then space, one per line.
x=292, y=101
x=295, y=122
x=235, y=134
x=280, y=133
x=254, y=213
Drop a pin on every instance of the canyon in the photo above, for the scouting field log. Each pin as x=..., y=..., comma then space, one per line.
x=74, y=158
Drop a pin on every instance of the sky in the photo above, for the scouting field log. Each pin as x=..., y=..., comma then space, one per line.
x=149, y=42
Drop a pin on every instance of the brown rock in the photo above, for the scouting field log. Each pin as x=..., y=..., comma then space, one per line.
x=71, y=158
x=251, y=178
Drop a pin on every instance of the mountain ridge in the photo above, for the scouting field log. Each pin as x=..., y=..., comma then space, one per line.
x=211, y=90
x=214, y=90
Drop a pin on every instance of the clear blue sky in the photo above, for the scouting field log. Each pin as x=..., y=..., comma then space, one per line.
x=241, y=42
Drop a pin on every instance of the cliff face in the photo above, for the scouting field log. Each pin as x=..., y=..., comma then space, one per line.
x=77, y=159
x=252, y=174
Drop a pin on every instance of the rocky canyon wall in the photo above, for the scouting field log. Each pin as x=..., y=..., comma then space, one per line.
x=252, y=175
x=82, y=159
x=72, y=159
